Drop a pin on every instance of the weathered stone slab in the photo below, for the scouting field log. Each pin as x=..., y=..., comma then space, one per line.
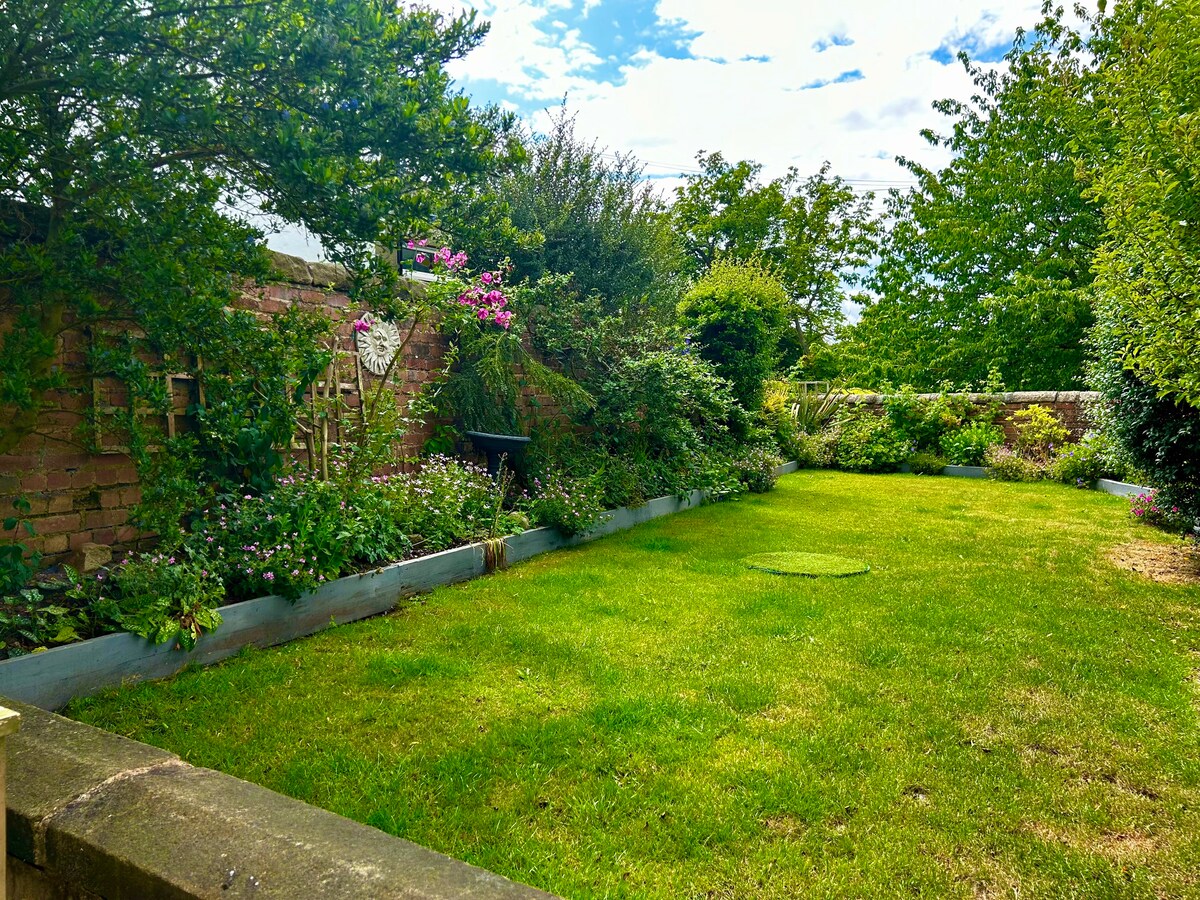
x=329, y=275
x=115, y=818
x=53, y=761
x=291, y=268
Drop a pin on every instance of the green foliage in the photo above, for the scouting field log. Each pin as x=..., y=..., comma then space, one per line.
x=1149, y=186
x=776, y=417
x=663, y=405
x=737, y=313
x=968, y=445
x=160, y=596
x=131, y=139
x=589, y=215
x=571, y=504
x=1039, y=432
x=29, y=621
x=1160, y=435
x=285, y=541
x=925, y=463
x=489, y=371
x=1005, y=464
x=814, y=234
x=922, y=421
x=817, y=451
x=17, y=564
x=756, y=467
x=988, y=261
x=1150, y=509
x=1079, y=465
x=867, y=442
x=813, y=409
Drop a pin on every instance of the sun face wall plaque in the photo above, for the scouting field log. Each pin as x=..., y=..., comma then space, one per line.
x=377, y=345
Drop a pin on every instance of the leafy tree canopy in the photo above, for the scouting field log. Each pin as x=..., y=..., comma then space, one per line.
x=131, y=129
x=582, y=211
x=1148, y=270
x=814, y=233
x=987, y=262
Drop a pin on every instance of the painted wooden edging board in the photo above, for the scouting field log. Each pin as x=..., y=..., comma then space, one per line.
x=965, y=471
x=1120, y=488
x=53, y=678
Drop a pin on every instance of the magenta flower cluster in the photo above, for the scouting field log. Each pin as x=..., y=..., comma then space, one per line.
x=483, y=296
x=488, y=302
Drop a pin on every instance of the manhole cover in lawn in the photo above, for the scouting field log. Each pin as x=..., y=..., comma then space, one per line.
x=810, y=564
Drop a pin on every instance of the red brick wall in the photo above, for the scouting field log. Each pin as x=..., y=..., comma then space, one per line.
x=80, y=497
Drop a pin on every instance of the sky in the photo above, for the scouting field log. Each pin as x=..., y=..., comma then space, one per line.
x=781, y=83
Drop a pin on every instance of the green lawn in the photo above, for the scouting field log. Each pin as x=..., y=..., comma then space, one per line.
x=993, y=711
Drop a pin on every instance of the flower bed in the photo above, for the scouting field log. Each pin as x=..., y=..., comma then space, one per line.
x=51, y=678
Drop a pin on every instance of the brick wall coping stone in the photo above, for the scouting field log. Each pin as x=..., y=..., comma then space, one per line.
x=1010, y=397
x=94, y=814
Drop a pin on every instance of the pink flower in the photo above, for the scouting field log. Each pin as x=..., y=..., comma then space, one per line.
x=361, y=325
x=411, y=245
x=422, y=242
x=486, y=277
x=421, y=257
x=483, y=314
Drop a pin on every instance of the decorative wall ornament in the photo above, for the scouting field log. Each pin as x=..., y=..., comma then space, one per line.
x=377, y=345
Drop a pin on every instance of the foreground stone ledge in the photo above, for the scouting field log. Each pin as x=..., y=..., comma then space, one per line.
x=94, y=814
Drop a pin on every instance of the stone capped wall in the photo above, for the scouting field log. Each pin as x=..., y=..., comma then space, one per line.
x=1071, y=407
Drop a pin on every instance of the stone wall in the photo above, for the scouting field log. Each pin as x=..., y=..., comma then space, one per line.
x=93, y=815
x=1071, y=407
x=81, y=497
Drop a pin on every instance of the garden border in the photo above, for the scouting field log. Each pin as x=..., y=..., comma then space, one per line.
x=53, y=678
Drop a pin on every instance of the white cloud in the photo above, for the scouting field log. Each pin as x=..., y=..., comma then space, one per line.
x=749, y=106
x=667, y=109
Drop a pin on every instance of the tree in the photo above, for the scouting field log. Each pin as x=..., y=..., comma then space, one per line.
x=737, y=312
x=987, y=262
x=1149, y=266
x=814, y=234
x=130, y=131
x=579, y=210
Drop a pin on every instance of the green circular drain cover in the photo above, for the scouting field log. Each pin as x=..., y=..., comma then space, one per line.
x=810, y=564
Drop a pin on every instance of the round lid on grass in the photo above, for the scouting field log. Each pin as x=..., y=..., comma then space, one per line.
x=810, y=564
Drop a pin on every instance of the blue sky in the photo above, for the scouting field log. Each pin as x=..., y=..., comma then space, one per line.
x=782, y=82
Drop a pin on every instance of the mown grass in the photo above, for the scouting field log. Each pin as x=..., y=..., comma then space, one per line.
x=995, y=710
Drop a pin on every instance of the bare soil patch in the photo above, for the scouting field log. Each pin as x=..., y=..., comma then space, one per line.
x=1165, y=563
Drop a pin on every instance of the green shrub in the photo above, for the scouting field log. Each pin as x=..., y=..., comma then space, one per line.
x=756, y=469
x=968, y=445
x=926, y=464
x=446, y=502
x=1006, y=465
x=661, y=405
x=923, y=421
x=1150, y=509
x=31, y=621
x=1159, y=434
x=1039, y=432
x=777, y=418
x=737, y=314
x=160, y=596
x=868, y=443
x=814, y=410
x=817, y=451
x=1080, y=464
x=572, y=505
